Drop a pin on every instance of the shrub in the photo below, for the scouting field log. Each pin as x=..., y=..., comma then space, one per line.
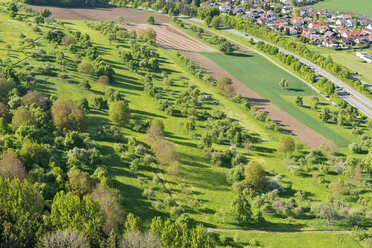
x=86, y=68
x=355, y=148
x=68, y=40
x=105, y=80
x=225, y=87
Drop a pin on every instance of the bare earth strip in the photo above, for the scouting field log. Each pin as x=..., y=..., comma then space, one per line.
x=101, y=14
x=308, y=136
x=169, y=37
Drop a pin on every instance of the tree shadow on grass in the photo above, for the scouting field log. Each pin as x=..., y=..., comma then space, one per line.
x=45, y=87
x=295, y=90
x=147, y=114
x=241, y=55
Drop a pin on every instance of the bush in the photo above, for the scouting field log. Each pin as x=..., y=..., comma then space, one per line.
x=68, y=40
x=105, y=80
x=355, y=148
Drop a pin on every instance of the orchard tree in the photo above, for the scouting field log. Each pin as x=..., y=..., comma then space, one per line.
x=11, y=167
x=69, y=211
x=283, y=83
x=86, y=68
x=150, y=20
x=79, y=182
x=225, y=87
x=35, y=97
x=119, y=112
x=110, y=201
x=67, y=116
x=23, y=117
x=155, y=132
x=4, y=112
x=255, y=175
x=325, y=211
x=241, y=210
x=286, y=145
x=5, y=87
x=20, y=213
x=65, y=238
x=166, y=153
x=150, y=35
x=300, y=101
x=226, y=47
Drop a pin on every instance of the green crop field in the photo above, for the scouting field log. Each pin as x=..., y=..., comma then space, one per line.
x=362, y=7
x=263, y=77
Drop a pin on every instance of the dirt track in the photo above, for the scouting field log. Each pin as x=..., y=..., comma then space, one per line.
x=308, y=136
x=169, y=37
x=102, y=14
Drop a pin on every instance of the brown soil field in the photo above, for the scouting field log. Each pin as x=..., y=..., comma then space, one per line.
x=305, y=134
x=102, y=14
x=169, y=37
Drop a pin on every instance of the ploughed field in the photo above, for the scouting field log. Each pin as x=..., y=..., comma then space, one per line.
x=169, y=37
x=102, y=14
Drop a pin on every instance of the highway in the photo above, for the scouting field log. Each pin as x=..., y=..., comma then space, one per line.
x=346, y=92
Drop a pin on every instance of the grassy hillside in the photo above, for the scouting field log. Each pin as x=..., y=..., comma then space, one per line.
x=361, y=7
x=200, y=186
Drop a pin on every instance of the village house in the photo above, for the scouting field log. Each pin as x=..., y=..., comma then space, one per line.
x=225, y=7
x=330, y=43
x=315, y=25
x=365, y=56
x=296, y=19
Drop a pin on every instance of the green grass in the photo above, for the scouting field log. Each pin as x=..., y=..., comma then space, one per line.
x=362, y=7
x=293, y=240
x=263, y=77
x=348, y=59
